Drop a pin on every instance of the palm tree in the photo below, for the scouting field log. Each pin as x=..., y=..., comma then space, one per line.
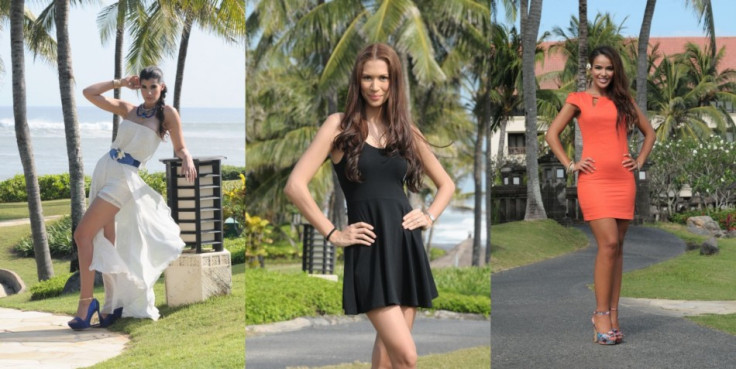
x=113, y=18
x=326, y=36
x=44, y=268
x=704, y=9
x=225, y=18
x=702, y=66
x=642, y=67
x=582, y=79
x=529, y=30
x=675, y=103
x=603, y=31
x=69, y=108
x=156, y=28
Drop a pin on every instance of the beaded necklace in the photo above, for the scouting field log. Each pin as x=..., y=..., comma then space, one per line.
x=145, y=113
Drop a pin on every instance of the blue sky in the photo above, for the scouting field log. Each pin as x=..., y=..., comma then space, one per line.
x=671, y=17
x=214, y=73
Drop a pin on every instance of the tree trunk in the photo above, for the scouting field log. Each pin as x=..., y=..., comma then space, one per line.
x=44, y=268
x=71, y=125
x=183, y=46
x=582, y=80
x=642, y=67
x=534, y=204
x=478, y=184
x=119, y=36
x=642, y=62
x=489, y=182
x=501, y=140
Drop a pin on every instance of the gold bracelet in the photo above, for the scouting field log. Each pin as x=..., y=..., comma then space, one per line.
x=116, y=83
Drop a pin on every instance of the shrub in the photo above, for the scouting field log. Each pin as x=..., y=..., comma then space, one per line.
x=283, y=250
x=231, y=172
x=463, y=303
x=436, y=253
x=157, y=181
x=236, y=246
x=471, y=281
x=51, y=186
x=275, y=296
x=234, y=200
x=59, y=240
x=725, y=218
x=257, y=236
x=49, y=288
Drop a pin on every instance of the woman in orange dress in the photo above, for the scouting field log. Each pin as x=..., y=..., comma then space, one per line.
x=606, y=187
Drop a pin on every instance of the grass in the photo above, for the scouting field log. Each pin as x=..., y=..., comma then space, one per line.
x=203, y=335
x=725, y=323
x=19, y=210
x=520, y=243
x=24, y=267
x=689, y=276
x=475, y=357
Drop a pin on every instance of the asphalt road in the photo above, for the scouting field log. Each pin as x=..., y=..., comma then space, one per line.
x=321, y=345
x=541, y=317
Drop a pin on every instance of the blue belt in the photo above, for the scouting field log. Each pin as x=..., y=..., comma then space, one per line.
x=118, y=156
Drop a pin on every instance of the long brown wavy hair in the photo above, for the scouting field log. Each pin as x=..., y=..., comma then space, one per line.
x=401, y=138
x=618, y=89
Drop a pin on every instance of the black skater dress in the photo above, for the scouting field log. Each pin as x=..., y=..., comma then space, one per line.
x=394, y=270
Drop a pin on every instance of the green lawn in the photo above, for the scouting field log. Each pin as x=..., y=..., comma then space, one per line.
x=210, y=334
x=726, y=323
x=19, y=210
x=24, y=267
x=689, y=276
x=476, y=357
x=520, y=243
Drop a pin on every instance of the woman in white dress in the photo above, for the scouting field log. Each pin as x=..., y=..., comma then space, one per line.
x=127, y=232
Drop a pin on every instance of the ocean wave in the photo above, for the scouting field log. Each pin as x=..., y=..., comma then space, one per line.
x=56, y=128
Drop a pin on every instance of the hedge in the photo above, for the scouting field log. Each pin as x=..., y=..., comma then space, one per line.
x=49, y=288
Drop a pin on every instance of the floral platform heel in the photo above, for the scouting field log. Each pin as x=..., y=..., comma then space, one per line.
x=602, y=338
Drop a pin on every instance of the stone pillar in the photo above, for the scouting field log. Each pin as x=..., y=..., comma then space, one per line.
x=195, y=277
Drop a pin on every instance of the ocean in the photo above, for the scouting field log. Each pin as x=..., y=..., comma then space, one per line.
x=207, y=132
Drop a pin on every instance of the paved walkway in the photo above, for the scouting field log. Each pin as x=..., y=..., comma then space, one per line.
x=15, y=222
x=336, y=340
x=541, y=316
x=35, y=340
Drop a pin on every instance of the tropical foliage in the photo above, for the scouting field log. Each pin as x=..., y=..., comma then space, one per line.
x=297, y=76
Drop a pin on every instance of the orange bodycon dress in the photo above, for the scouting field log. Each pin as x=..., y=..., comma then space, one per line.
x=610, y=190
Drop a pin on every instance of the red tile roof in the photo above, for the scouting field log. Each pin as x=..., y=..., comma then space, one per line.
x=555, y=61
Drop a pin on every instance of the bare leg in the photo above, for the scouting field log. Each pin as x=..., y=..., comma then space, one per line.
x=394, y=346
x=623, y=226
x=606, y=234
x=97, y=216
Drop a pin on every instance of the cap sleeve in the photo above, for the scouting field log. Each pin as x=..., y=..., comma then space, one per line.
x=574, y=99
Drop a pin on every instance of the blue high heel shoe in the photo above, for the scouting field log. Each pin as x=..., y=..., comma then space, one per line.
x=603, y=338
x=110, y=318
x=78, y=323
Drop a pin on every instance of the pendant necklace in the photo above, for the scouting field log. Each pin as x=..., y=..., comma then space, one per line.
x=145, y=113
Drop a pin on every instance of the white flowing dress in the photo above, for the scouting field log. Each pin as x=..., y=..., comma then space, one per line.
x=147, y=238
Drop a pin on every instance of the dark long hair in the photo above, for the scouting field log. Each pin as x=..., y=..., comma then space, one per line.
x=156, y=73
x=401, y=136
x=618, y=89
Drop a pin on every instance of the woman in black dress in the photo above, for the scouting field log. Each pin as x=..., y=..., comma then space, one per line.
x=377, y=151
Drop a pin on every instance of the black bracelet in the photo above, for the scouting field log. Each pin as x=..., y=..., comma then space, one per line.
x=330, y=234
